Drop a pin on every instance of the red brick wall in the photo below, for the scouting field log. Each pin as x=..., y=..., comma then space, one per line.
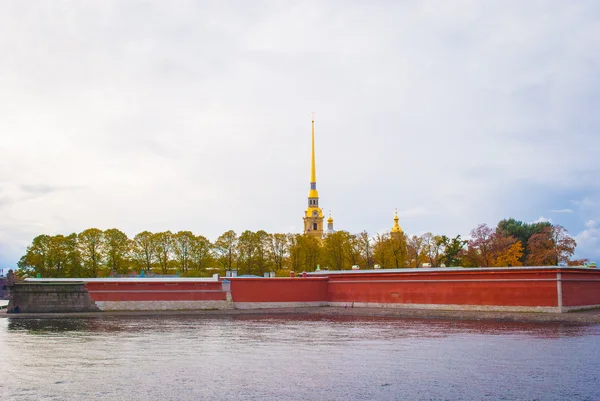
x=310, y=289
x=581, y=289
x=494, y=288
x=156, y=291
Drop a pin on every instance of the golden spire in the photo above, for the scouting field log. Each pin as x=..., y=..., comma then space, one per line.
x=313, y=168
x=396, y=228
x=313, y=193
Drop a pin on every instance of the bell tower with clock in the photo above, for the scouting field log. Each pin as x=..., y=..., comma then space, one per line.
x=313, y=215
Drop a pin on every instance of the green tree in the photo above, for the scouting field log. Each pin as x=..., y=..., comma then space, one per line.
x=164, y=249
x=335, y=249
x=36, y=259
x=247, y=246
x=226, y=248
x=91, y=249
x=200, y=253
x=183, y=241
x=278, y=250
x=117, y=248
x=453, y=249
x=144, y=246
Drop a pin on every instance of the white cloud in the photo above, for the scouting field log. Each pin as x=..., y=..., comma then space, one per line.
x=543, y=219
x=588, y=241
x=562, y=211
x=196, y=115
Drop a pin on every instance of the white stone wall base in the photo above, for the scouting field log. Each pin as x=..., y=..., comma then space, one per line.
x=268, y=305
x=489, y=308
x=161, y=305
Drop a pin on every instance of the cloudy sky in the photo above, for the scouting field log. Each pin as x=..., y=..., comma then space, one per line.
x=193, y=115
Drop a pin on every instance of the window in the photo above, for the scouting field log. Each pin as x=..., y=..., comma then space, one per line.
x=315, y=226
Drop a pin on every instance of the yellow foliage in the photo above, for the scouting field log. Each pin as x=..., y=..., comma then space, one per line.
x=510, y=256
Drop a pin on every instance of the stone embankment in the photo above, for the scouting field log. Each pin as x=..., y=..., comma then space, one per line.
x=583, y=317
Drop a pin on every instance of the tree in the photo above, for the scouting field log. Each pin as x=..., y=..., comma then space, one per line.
x=36, y=258
x=335, y=248
x=164, y=249
x=226, y=248
x=295, y=251
x=521, y=232
x=453, y=250
x=200, y=253
x=552, y=246
x=481, y=245
x=91, y=248
x=366, y=250
x=247, y=246
x=117, y=248
x=278, y=250
x=144, y=246
x=433, y=248
x=382, y=253
x=262, y=252
x=183, y=241
x=414, y=250
x=399, y=250
x=510, y=256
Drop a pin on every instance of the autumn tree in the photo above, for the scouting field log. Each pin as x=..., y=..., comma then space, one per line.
x=399, y=250
x=382, y=253
x=433, y=248
x=509, y=255
x=551, y=246
x=366, y=249
x=354, y=251
x=521, y=232
x=414, y=250
x=481, y=246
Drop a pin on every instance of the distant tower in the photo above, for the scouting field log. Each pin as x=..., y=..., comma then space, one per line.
x=313, y=215
x=396, y=229
x=330, y=229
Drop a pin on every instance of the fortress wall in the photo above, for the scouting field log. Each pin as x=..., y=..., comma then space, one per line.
x=155, y=294
x=50, y=298
x=278, y=292
x=468, y=288
x=580, y=290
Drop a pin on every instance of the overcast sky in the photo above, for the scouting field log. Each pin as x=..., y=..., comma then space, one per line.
x=190, y=115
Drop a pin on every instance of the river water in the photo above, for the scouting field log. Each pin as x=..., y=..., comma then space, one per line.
x=297, y=357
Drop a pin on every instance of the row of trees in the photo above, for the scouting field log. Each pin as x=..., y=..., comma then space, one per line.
x=95, y=253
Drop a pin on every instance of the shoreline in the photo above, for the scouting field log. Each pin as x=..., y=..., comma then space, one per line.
x=582, y=317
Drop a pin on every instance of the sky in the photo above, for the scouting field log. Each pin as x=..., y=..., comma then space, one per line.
x=196, y=115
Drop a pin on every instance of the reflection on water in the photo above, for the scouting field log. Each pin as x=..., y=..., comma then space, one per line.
x=296, y=357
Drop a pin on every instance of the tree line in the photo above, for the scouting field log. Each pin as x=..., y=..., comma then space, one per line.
x=97, y=253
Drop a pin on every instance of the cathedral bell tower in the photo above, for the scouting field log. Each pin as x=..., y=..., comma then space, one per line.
x=313, y=215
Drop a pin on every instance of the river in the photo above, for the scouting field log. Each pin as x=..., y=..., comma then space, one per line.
x=298, y=357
